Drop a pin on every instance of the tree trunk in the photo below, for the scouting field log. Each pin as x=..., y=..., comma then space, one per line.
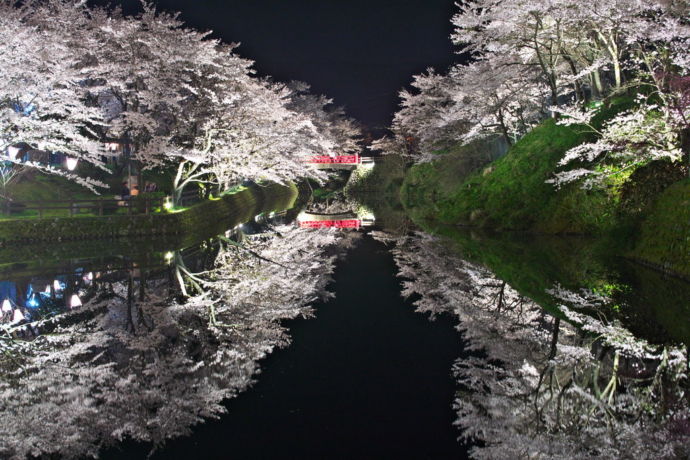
x=504, y=129
x=598, y=86
x=685, y=147
x=580, y=94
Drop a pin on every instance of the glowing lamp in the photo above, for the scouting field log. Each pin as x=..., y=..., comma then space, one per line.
x=75, y=301
x=6, y=306
x=168, y=203
x=72, y=163
x=89, y=276
x=56, y=285
x=18, y=316
x=13, y=152
x=169, y=256
x=33, y=302
x=47, y=291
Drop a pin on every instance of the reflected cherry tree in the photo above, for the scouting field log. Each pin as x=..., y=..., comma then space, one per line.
x=149, y=356
x=565, y=384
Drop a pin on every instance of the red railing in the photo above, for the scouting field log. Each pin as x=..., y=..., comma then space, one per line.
x=346, y=223
x=337, y=160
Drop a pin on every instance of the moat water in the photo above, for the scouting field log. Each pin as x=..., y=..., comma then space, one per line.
x=286, y=338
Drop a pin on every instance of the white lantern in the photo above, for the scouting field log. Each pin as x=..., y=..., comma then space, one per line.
x=13, y=152
x=75, y=301
x=6, y=306
x=56, y=286
x=72, y=163
x=18, y=316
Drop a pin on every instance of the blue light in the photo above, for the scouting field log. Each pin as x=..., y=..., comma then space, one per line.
x=24, y=109
x=33, y=303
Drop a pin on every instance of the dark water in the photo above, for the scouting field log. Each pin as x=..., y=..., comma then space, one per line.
x=366, y=377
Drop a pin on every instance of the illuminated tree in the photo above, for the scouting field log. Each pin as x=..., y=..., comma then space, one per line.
x=531, y=58
x=180, y=99
x=43, y=99
x=149, y=364
x=549, y=387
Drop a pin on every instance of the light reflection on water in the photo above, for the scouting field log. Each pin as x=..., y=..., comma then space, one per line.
x=179, y=329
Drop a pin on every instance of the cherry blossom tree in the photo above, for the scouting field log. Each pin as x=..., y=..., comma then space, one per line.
x=192, y=102
x=43, y=99
x=543, y=386
x=532, y=58
x=140, y=360
x=178, y=98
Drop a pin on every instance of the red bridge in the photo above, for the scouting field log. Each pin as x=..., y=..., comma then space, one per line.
x=340, y=161
x=347, y=223
x=344, y=220
x=337, y=160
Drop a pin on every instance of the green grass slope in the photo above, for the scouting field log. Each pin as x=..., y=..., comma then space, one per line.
x=512, y=193
x=664, y=237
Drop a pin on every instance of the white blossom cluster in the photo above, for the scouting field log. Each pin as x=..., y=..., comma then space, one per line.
x=176, y=96
x=530, y=59
x=150, y=368
x=551, y=387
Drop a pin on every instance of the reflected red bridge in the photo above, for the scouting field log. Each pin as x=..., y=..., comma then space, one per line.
x=346, y=220
x=345, y=223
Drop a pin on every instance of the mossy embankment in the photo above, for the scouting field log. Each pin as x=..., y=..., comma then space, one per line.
x=643, y=214
x=512, y=193
x=664, y=237
x=650, y=304
x=207, y=218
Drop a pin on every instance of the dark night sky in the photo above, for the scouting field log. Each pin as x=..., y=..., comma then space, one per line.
x=359, y=52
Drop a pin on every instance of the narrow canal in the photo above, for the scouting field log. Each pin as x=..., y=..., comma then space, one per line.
x=366, y=378
x=287, y=338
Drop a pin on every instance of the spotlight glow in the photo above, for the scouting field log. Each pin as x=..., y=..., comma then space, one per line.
x=72, y=163
x=75, y=301
x=13, y=152
x=18, y=316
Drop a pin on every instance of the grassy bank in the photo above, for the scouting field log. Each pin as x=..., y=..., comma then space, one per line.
x=663, y=240
x=209, y=217
x=642, y=214
x=512, y=193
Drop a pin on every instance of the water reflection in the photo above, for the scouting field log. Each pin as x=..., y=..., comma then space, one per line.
x=146, y=345
x=558, y=384
x=118, y=349
x=340, y=213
